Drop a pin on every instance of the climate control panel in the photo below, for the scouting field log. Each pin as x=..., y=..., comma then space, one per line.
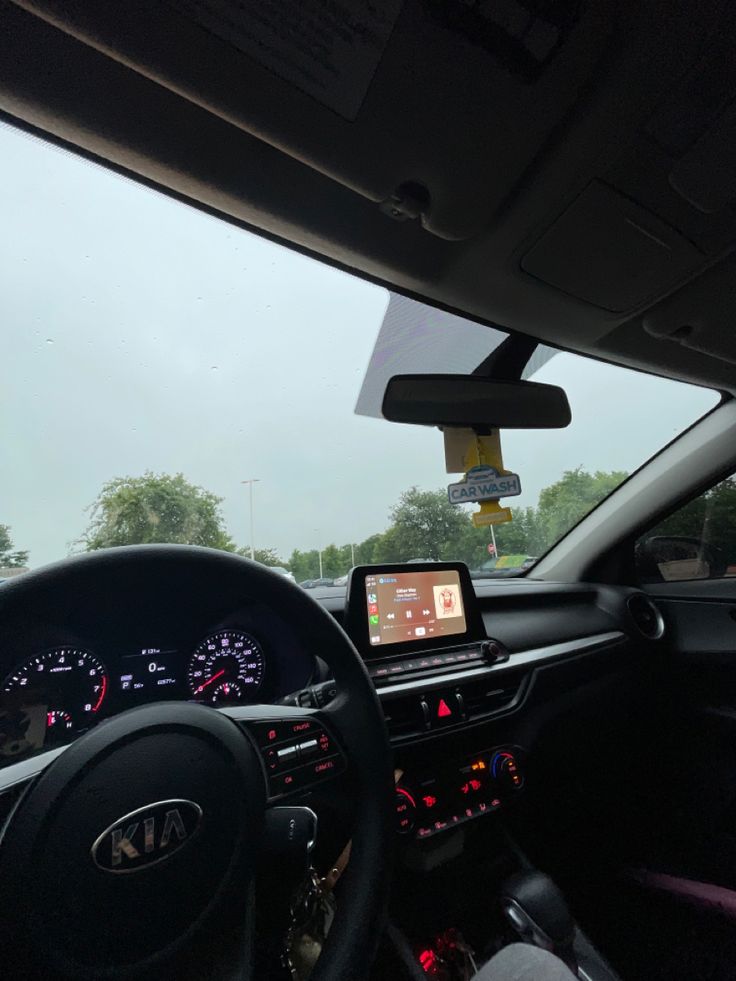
x=428, y=804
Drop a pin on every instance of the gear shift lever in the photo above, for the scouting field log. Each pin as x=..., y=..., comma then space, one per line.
x=537, y=911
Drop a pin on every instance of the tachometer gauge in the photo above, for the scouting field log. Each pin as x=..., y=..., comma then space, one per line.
x=69, y=683
x=226, y=668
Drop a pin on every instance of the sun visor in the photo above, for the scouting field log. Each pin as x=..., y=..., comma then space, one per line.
x=417, y=339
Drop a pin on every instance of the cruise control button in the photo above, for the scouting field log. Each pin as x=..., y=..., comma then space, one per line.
x=325, y=744
x=324, y=768
x=287, y=755
x=309, y=748
x=284, y=783
x=271, y=733
x=304, y=776
x=302, y=727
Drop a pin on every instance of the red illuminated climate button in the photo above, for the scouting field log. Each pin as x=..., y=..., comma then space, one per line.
x=444, y=709
x=405, y=807
x=471, y=787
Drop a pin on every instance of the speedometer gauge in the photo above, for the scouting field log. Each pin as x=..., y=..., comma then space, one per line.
x=69, y=684
x=226, y=668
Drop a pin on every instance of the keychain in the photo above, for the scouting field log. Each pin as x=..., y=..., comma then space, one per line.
x=312, y=912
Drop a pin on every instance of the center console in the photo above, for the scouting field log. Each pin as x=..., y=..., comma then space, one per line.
x=431, y=801
x=421, y=634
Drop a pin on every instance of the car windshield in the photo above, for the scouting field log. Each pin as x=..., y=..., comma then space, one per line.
x=169, y=377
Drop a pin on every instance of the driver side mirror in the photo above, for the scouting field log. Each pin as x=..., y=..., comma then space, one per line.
x=674, y=558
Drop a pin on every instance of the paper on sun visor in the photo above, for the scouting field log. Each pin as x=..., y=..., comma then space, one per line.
x=418, y=339
x=329, y=49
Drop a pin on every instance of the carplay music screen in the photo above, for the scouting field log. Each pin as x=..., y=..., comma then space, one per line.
x=414, y=606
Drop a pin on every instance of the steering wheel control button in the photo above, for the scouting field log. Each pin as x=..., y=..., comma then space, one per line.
x=305, y=776
x=310, y=747
x=270, y=733
x=297, y=753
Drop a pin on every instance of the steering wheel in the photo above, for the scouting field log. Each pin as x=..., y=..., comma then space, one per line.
x=133, y=853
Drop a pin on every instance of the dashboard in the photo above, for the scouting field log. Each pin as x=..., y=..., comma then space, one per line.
x=469, y=675
x=59, y=683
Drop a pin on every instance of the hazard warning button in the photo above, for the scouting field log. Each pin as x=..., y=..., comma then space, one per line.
x=444, y=709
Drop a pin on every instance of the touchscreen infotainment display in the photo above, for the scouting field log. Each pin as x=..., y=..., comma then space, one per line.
x=414, y=606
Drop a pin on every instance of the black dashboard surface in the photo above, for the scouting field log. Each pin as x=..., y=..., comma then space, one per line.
x=525, y=613
x=150, y=625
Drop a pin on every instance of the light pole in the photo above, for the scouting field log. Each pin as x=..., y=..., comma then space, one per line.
x=253, y=480
x=320, y=562
x=352, y=555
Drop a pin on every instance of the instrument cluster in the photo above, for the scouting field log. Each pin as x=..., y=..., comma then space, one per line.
x=57, y=693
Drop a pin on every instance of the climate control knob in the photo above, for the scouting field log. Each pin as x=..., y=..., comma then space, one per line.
x=506, y=771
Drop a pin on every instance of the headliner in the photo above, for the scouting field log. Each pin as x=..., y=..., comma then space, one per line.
x=571, y=178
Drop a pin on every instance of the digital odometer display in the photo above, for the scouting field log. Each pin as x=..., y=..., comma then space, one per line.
x=226, y=668
x=416, y=607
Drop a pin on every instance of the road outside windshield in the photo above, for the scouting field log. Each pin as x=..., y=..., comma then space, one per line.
x=167, y=377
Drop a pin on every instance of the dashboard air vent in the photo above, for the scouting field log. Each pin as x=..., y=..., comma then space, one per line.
x=403, y=716
x=646, y=616
x=495, y=694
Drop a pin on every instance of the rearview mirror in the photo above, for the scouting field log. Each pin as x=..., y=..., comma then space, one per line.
x=475, y=401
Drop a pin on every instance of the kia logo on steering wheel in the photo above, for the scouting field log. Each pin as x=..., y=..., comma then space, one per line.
x=147, y=836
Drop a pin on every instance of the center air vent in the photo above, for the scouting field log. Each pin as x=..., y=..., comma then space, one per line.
x=646, y=616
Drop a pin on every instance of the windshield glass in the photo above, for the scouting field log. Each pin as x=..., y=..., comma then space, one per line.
x=168, y=377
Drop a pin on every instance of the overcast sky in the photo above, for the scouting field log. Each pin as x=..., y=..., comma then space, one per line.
x=139, y=334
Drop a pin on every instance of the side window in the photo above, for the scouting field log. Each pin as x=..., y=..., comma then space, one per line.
x=696, y=542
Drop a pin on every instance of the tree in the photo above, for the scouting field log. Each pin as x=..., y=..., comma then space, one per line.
x=710, y=517
x=9, y=557
x=266, y=556
x=365, y=551
x=564, y=503
x=425, y=526
x=155, y=508
x=304, y=565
